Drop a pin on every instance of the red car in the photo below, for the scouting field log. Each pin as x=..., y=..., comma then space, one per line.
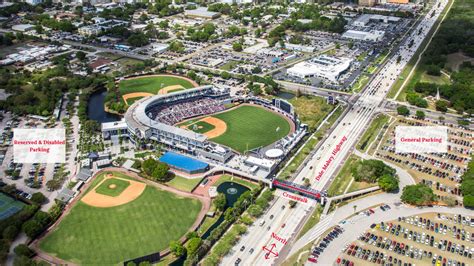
x=312, y=259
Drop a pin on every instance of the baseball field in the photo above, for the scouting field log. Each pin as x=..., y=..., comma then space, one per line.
x=243, y=128
x=100, y=231
x=133, y=89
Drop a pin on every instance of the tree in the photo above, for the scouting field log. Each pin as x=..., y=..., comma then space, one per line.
x=388, y=183
x=420, y=114
x=81, y=56
x=10, y=232
x=307, y=183
x=237, y=46
x=220, y=201
x=292, y=203
x=176, y=46
x=177, y=248
x=23, y=250
x=32, y=228
x=225, y=75
x=371, y=170
x=193, y=245
x=403, y=110
x=442, y=106
x=418, y=195
x=38, y=198
x=138, y=39
x=155, y=170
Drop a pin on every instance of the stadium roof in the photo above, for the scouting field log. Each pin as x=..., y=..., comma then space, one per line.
x=136, y=116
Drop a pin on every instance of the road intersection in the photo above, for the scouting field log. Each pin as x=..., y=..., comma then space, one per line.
x=325, y=163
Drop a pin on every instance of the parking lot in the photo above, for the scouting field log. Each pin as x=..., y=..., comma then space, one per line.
x=429, y=239
x=441, y=171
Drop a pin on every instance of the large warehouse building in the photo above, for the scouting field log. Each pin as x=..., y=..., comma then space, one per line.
x=323, y=66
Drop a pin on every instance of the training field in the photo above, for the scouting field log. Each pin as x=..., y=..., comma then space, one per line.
x=249, y=127
x=153, y=84
x=111, y=235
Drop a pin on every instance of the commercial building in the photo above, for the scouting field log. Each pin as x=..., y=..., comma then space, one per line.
x=201, y=12
x=365, y=19
x=367, y=2
x=373, y=35
x=300, y=48
x=323, y=66
x=23, y=27
x=101, y=26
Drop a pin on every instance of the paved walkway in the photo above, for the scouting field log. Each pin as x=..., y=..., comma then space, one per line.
x=347, y=210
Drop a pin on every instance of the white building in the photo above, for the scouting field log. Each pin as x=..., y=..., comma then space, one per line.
x=365, y=19
x=33, y=2
x=299, y=47
x=373, y=35
x=323, y=66
x=23, y=27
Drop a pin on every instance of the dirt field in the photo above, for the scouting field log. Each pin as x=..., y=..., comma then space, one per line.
x=133, y=191
x=168, y=89
x=220, y=126
x=135, y=95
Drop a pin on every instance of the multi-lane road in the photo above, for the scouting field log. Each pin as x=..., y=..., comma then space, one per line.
x=267, y=242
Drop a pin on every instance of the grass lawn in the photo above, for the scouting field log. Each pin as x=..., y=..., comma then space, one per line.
x=343, y=178
x=311, y=110
x=229, y=65
x=250, y=127
x=207, y=223
x=112, y=187
x=308, y=146
x=360, y=83
x=108, y=236
x=312, y=221
x=128, y=62
x=441, y=80
x=371, y=133
x=184, y=184
x=151, y=84
x=360, y=185
x=240, y=181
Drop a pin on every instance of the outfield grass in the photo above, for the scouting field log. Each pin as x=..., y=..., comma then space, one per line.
x=151, y=84
x=109, y=236
x=371, y=133
x=249, y=127
x=240, y=181
x=120, y=186
x=184, y=184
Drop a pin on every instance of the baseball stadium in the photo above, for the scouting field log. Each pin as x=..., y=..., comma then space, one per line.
x=207, y=122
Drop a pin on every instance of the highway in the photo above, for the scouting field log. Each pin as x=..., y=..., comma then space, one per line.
x=326, y=162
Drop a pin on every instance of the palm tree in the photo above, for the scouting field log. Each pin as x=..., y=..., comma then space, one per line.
x=355, y=207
